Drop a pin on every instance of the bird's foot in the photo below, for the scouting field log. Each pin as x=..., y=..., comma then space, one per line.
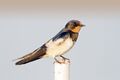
x=63, y=60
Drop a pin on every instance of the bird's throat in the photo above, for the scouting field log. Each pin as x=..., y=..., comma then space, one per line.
x=76, y=29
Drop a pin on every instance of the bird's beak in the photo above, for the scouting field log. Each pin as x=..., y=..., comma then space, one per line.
x=82, y=25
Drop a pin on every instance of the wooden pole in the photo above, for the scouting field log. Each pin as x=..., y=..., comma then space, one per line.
x=62, y=70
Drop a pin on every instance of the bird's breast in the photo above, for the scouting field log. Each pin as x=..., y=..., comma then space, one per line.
x=59, y=47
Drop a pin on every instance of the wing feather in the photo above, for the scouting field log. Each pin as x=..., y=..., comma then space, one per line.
x=37, y=54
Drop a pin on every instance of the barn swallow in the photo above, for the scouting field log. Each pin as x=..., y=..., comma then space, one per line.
x=57, y=46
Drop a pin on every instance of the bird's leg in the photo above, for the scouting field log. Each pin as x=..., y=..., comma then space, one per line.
x=64, y=58
x=57, y=60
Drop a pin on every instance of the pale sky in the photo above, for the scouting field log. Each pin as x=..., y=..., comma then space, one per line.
x=26, y=25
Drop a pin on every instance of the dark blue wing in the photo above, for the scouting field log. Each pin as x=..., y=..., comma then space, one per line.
x=61, y=34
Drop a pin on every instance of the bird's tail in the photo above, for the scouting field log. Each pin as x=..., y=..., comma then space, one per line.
x=37, y=54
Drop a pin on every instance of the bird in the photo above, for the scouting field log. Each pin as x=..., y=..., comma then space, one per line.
x=56, y=46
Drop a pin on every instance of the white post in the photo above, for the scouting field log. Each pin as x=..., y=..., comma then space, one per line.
x=62, y=70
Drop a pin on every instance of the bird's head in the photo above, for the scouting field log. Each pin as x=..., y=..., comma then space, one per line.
x=74, y=26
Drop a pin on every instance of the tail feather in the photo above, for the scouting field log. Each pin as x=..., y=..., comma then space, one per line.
x=35, y=55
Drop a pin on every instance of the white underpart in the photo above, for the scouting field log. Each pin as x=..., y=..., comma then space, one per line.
x=59, y=47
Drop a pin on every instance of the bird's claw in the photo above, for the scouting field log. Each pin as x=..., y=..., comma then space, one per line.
x=63, y=61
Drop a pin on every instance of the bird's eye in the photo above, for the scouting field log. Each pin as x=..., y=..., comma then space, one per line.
x=74, y=24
